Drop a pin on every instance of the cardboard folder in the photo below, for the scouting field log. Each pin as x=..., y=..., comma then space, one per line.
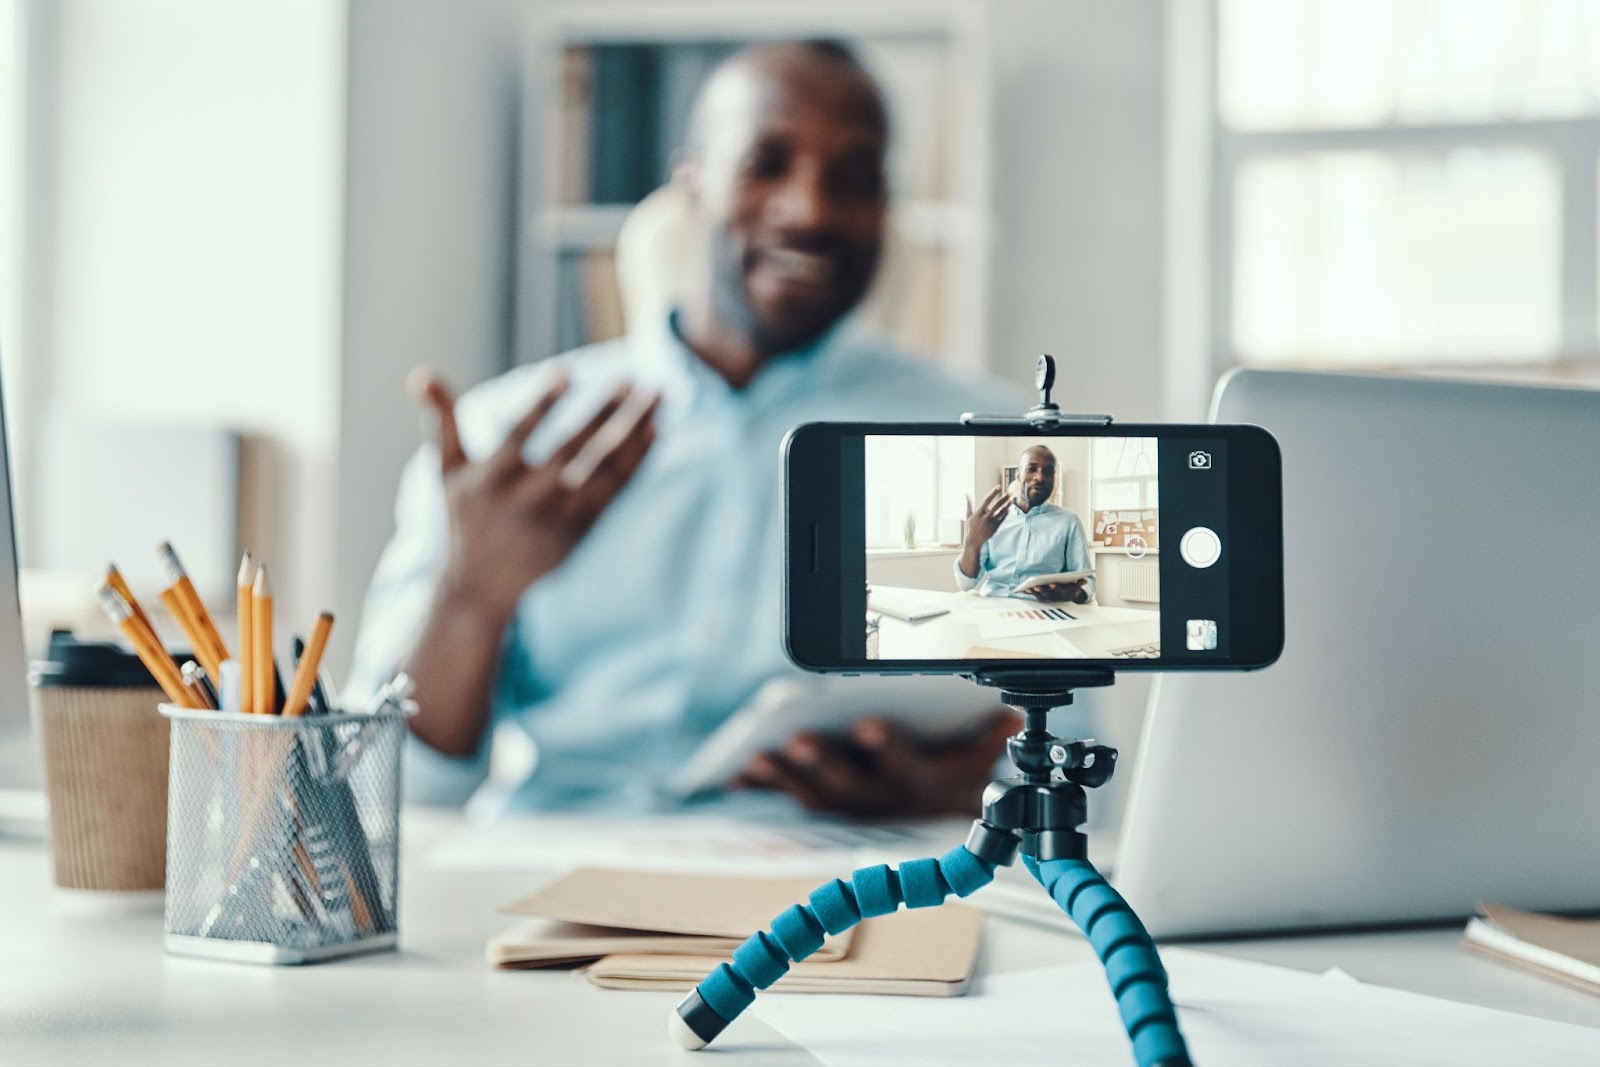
x=924, y=953
x=595, y=912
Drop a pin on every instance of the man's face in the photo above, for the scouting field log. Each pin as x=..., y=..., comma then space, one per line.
x=1038, y=476
x=791, y=184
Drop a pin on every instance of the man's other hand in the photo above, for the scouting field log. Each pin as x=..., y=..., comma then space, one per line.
x=880, y=770
x=511, y=521
x=1070, y=592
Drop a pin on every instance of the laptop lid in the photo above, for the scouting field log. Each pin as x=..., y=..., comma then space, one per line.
x=18, y=759
x=1429, y=738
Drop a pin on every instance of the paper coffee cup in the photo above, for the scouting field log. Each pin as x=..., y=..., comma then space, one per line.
x=104, y=749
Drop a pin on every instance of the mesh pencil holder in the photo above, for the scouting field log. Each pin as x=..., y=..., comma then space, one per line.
x=283, y=835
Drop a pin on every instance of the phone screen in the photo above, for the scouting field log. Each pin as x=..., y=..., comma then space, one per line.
x=980, y=547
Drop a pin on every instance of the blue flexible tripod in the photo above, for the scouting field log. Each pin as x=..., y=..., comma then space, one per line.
x=1039, y=813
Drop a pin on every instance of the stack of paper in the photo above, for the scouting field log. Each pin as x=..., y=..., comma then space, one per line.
x=667, y=931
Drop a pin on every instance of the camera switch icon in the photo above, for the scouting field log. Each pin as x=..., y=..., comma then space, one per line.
x=1199, y=460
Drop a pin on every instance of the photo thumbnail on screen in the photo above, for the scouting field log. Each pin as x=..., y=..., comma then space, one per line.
x=991, y=547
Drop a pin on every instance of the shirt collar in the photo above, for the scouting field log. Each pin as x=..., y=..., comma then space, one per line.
x=673, y=367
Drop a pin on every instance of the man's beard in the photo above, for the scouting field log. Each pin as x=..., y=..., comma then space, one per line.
x=731, y=302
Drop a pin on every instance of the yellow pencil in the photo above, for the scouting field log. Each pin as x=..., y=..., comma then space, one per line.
x=247, y=648
x=305, y=676
x=209, y=647
x=266, y=689
x=150, y=652
x=173, y=601
x=115, y=580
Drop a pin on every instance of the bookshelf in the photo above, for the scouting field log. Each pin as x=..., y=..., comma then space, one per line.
x=608, y=92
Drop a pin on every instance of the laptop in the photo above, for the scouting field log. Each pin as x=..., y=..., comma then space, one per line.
x=1430, y=737
x=21, y=801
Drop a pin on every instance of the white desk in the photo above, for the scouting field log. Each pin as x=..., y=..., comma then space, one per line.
x=76, y=991
x=952, y=635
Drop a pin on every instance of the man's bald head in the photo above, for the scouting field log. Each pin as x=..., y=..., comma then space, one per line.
x=785, y=164
x=747, y=73
x=1036, y=471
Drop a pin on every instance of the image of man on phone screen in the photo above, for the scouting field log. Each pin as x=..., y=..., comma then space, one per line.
x=1016, y=535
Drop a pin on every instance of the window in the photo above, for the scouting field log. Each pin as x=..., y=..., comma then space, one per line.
x=1405, y=182
x=920, y=489
x=1123, y=473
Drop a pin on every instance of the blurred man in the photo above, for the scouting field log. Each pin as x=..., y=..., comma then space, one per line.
x=1011, y=540
x=590, y=553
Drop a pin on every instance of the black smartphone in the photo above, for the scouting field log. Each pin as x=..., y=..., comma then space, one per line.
x=951, y=548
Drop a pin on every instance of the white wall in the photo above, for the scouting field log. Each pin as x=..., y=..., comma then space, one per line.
x=1077, y=191
x=195, y=224
x=430, y=208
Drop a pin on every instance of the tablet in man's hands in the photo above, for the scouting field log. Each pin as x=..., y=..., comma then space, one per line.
x=1064, y=578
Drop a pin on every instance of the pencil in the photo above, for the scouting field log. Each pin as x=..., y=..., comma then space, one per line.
x=261, y=637
x=209, y=646
x=149, y=651
x=247, y=649
x=173, y=601
x=305, y=675
x=115, y=580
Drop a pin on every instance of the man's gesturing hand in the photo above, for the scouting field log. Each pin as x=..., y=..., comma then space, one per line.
x=511, y=521
x=980, y=526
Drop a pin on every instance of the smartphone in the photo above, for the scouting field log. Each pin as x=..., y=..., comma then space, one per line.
x=1180, y=528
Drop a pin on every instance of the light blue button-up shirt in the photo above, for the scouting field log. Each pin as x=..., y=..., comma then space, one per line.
x=665, y=618
x=1029, y=544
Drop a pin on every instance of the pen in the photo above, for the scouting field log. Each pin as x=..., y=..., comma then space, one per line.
x=195, y=680
x=247, y=644
x=228, y=685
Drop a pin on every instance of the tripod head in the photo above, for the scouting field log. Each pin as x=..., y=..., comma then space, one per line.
x=1042, y=810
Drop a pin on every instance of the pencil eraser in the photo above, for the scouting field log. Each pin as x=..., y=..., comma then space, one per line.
x=681, y=1035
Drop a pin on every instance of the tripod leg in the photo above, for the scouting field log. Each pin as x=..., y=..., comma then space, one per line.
x=1127, y=952
x=798, y=932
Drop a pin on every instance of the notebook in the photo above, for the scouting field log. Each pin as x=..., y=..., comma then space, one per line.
x=594, y=911
x=1567, y=950
x=924, y=953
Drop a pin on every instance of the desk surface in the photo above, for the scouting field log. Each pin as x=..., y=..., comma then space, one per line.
x=78, y=990
x=965, y=625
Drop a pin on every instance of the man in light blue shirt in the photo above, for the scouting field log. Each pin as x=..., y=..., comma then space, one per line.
x=590, y=551
x=1012, y=540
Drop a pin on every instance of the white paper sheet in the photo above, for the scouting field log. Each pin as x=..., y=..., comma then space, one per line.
x=1232, y=1013
x=1019, y=624
x=707, y=844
